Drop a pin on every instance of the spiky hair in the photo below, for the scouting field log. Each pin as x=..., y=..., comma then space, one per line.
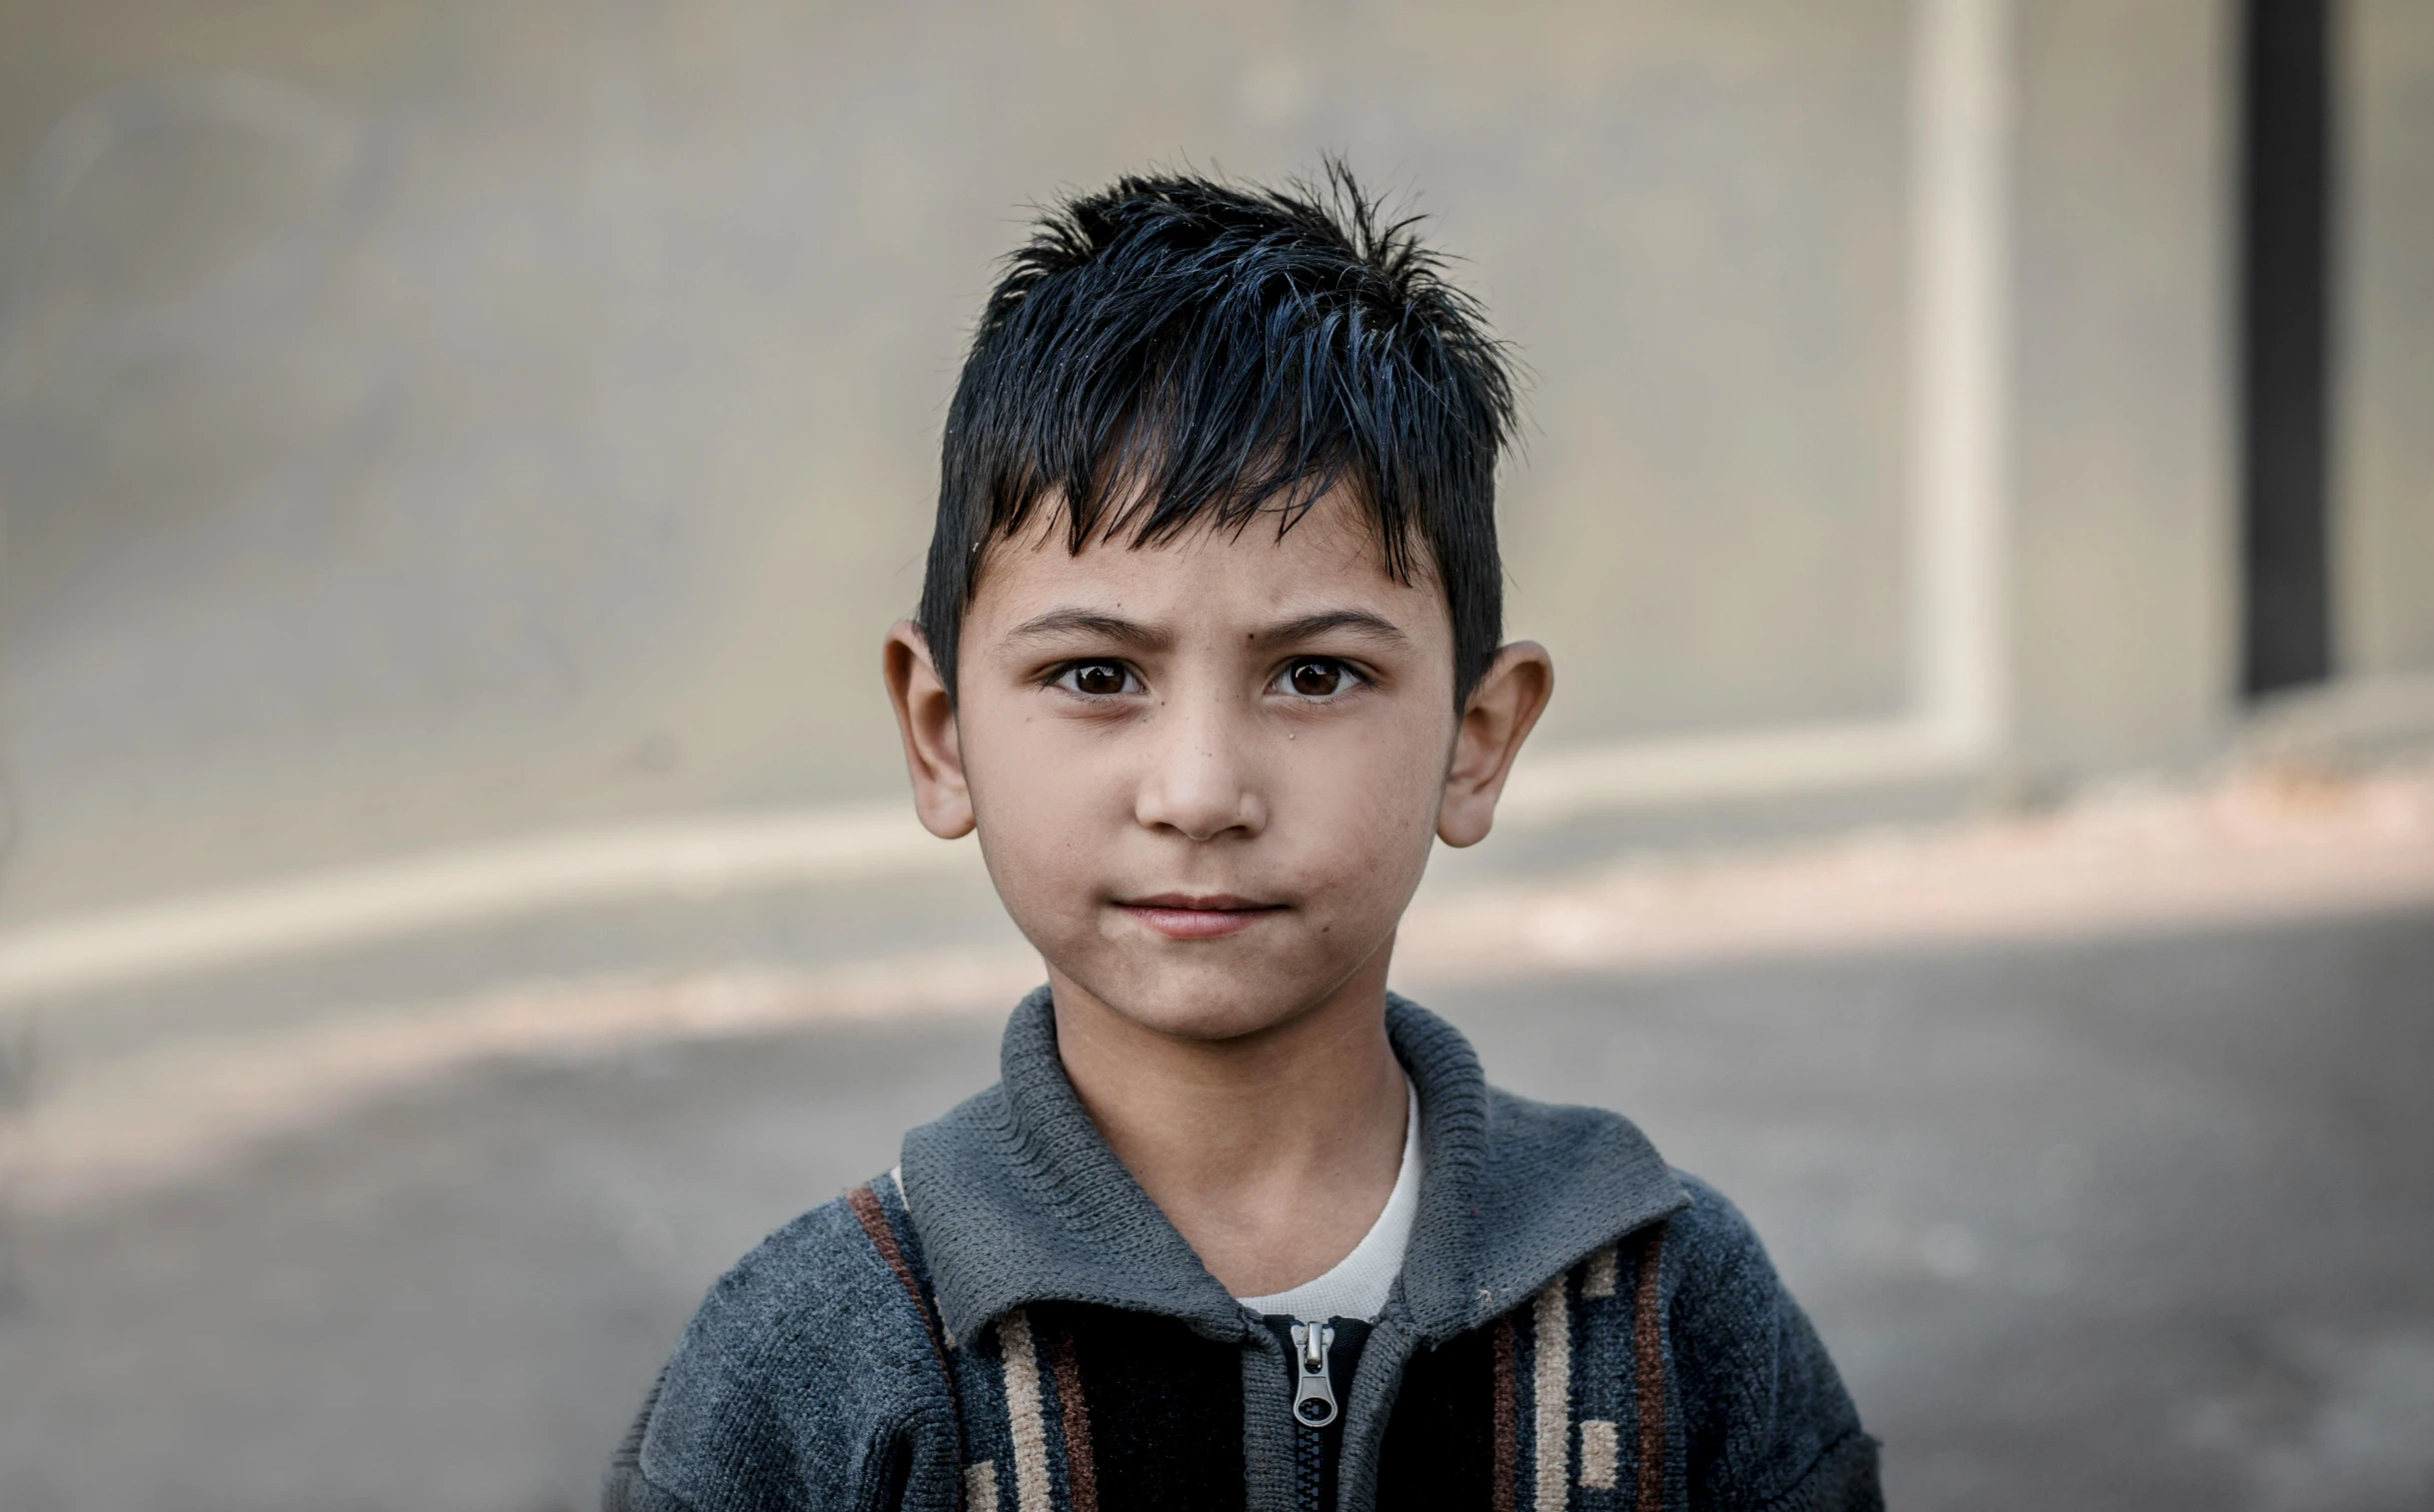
x=1178, y=349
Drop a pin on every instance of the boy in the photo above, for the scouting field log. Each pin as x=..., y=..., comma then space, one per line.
x=1207, y=655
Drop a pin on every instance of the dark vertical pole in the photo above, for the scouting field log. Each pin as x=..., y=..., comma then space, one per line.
x=2285, y=359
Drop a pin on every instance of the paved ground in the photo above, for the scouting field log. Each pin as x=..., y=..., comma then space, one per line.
x=2137, y=1224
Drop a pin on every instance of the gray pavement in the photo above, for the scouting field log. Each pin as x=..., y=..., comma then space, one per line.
x=2138, y=1223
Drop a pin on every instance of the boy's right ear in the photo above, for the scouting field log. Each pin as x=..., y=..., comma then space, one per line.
x=934, y=750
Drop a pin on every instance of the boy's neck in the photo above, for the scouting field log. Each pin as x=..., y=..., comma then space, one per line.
x=1272, y=1153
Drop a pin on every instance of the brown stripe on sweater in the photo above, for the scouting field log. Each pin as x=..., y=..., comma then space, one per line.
x=1648, y=1358
x=1507, y=1419
x=873, y=1219
x=1080, y=1464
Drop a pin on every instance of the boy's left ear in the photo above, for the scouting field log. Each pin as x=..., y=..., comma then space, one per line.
x=1497, y=719
x=934, y=747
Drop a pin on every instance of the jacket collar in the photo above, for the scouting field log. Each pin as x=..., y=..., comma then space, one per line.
x=1018, y=1198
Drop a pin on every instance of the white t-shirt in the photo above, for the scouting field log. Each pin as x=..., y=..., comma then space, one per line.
x=1357, y=1285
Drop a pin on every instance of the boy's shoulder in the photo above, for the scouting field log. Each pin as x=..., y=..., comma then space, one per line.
x=823, y=1264
x=1765, y=1409
x=774, y=1371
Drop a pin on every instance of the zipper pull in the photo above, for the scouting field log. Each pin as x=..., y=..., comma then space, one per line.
x=1314, y=1395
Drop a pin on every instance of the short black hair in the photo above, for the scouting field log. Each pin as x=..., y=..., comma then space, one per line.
x=1179, y=349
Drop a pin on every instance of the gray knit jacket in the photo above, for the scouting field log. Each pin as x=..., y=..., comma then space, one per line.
x=1010, y=1324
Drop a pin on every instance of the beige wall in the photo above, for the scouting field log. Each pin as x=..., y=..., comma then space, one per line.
x=422, y=422
x=2384, y=458
x=2123, y=504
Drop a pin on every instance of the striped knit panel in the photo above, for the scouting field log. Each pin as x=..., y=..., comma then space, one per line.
x=1088, y=1409
x=1540, y=1409
x=1029, y=1413
x=1073, y=1466
x=988, y=1448
x=1626, y=1435
x=1554, y=1420
x=1505, y=1472
x=1533, y=1398
x=1550, y=1395
x=1048, y=1462
x=1534, y=1364
x=1658, y=1480
x=1534, y=1402
x=1582, y=1398
x=1602, y=1456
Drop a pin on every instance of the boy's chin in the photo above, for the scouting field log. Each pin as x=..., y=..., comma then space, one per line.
x=1209, y=1008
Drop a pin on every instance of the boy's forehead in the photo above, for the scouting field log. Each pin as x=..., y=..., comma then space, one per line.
x=1330, y=551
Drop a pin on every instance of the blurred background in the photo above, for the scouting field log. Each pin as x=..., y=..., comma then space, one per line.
x=456, y=462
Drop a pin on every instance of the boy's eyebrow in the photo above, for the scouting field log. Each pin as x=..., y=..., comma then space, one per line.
x=1065, y=621
x=1358, y=621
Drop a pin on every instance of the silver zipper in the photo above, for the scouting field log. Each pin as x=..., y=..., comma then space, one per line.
x=1314, y=1394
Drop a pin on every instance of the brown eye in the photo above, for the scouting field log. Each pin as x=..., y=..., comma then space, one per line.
x=1316, y=679
x=1097, y=678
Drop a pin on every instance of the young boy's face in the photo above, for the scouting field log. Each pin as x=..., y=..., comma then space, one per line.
x=1206, y=775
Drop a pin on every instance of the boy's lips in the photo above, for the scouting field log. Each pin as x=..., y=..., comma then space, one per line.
x=1189, y=915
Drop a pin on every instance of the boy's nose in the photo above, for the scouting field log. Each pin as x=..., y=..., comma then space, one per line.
x=1198, y=784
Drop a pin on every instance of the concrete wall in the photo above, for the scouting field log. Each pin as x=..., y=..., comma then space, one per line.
x=426, y=422
x=2123, y=504
x=2384, y=461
